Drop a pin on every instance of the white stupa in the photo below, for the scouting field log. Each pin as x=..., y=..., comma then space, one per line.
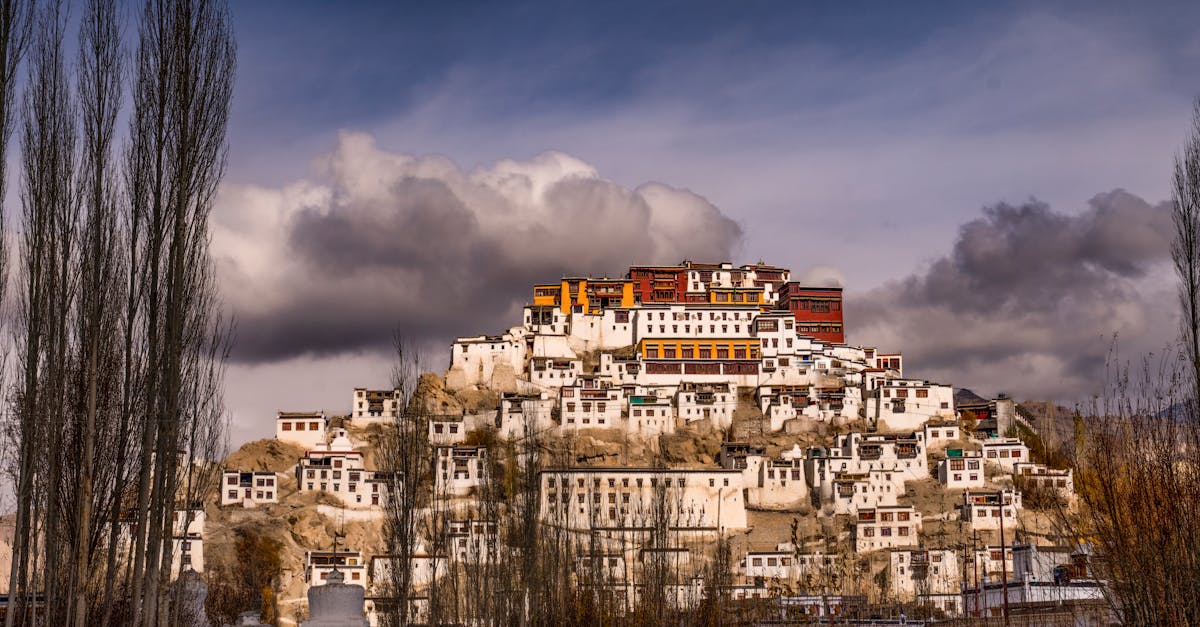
x=335, y=604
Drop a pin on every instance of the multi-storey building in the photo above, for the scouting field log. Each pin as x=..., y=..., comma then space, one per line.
x=961, y=469
x=318, y=565
x=650, y=415
x=643, y=499
x=776, y=483
x=472, y=541
x=941, y=432
x=990, y=509
x=706, y=401
x=304, y=428
x=817, y=310
x=249, y=488
x=900, y=457
x=585, y=295
x=907, y=404
x=1005, y=452
x=927, y=576
x=187, y=540
x=522, y=414
x=886, y=527
x=336, y=469
x=590, y=403
x=1028, y=475
x=854, y=492
x=459, y=470
x=375, y=405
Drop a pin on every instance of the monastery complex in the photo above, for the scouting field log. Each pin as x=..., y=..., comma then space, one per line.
x=696, y=403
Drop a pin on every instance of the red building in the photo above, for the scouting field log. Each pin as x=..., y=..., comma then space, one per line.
x=818, y=310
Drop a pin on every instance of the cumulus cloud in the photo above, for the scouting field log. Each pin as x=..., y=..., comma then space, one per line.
x=379, y=240
x=1029, y=298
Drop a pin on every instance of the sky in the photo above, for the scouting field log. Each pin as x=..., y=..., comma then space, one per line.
x=989, y=182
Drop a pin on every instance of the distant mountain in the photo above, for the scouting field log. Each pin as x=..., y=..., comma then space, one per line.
x=966, y=396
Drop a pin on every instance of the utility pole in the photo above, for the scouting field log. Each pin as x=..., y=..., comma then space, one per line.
x=1003, y=565
x=975, y=565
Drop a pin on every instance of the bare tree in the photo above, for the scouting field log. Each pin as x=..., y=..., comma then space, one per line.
x=49, y=212
x=182, y=88
x=99, y=85
x=1185, y=247
x=405, y=463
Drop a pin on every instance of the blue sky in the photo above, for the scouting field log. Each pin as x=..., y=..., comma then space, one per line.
x=846, y=139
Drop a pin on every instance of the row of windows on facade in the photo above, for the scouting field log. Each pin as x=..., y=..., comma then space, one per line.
x=332, y=474
x=679, y=519
x=959, y=464
x=688, y=352
x=563, y=482
x=884, y=516
x=983, y=512
x=902, y=393
x=787, y=561
x=300, y=426
x=816, y=306
x=258, y=494
x=261, y=482
x=869, y=532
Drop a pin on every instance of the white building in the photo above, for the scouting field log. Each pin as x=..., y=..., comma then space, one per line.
x=776, y=483
x=632, y=499
x=486, y=359
x=425, y=567
x=522, y=414
x=1005, y=452
x=886, y=527
x=472, y=541
x=319, y=564
x=852, y=493
x=249, y=489
x=336, y=469
x=447, y=429
x=706, y=401
x=375, y=405
x=941, y=433
x=907, y=404
x=590, y=403
x=932, y=577
x=551, y=373
x=961, y=469
x=304, y=428
x=1040, y=476
x=650, y=415
x=986, y=509
x=899, y=457
x=187, y=540
x=459, y=470
x=694, y=320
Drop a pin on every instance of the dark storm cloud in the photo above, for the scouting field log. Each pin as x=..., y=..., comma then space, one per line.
x=1029, y=298
x=393, y=241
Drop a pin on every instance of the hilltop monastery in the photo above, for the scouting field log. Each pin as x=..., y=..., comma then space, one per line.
x=803, y=427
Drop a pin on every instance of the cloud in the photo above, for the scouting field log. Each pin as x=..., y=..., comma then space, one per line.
x=382, y=240
x=1029, y=298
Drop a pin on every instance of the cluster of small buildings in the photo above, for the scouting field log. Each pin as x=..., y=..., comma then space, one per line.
x=675, y=348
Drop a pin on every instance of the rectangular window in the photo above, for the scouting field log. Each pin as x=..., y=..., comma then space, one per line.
x=287, y=426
